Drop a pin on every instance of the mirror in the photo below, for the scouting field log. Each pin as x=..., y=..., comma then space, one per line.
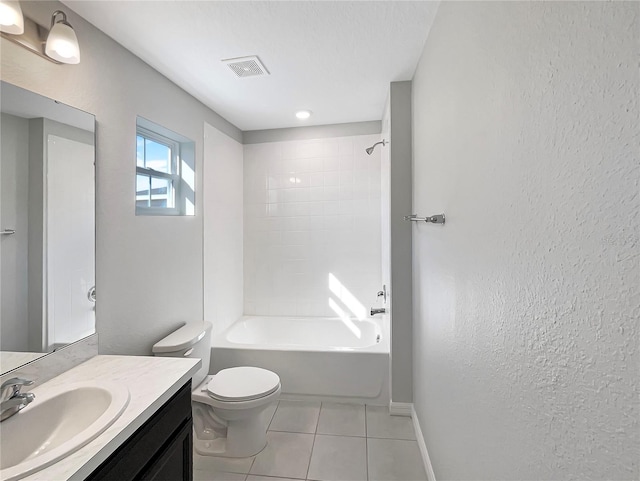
x=47, y=226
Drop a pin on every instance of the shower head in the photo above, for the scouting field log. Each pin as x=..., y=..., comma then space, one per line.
x=370, y=150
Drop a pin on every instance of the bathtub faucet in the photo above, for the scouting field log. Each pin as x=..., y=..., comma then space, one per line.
x=375, y=311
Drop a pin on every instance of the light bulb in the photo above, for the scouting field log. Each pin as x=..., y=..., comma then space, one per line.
x=63, y=48
x=11, y=19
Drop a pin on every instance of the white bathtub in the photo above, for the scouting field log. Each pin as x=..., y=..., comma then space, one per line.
x=317, y=357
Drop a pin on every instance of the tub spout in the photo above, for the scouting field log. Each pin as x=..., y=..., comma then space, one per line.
x=375, y=311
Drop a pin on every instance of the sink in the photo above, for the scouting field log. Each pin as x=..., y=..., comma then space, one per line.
x=60, y=420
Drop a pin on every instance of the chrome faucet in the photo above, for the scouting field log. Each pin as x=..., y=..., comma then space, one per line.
x=12, y=400
x=375, y=311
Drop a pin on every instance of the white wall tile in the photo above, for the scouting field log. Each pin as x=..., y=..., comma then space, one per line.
x=331, y=178
x=331, y=163
x=316, y=193
x=346, y=192
x=316, y=179
x=311, y=209
x=308, y=149
x=346, y=164
x=288, y=149
x=345, y=146
x=346, y=177
x=332, y=193
x=331, y=207
x=331, y=147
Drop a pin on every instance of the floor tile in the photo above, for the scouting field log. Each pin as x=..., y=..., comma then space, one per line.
x=380, y=424
x=296, y=417
x=199, y=475
x=394, y=460
x=342, y=419
x=268, y=413
x=217, y=464
x=266, y=478
x=287, y=455
x=338, y=458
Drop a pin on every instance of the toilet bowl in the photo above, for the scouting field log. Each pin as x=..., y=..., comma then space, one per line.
x=228, y=407
x=238, y=398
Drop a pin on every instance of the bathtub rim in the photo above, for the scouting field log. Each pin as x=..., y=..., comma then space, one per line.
x=220, y=339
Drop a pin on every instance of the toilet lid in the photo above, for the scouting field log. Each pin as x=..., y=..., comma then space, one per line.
x=243, y=384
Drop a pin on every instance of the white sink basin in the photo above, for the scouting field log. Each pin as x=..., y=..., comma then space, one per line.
x=58, y=422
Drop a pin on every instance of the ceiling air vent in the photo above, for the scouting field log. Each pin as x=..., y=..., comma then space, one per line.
x=246, y=66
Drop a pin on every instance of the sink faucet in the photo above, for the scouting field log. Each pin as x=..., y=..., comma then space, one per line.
x=12, y=400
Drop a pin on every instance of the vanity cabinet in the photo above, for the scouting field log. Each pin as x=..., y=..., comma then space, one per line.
x=161, y=449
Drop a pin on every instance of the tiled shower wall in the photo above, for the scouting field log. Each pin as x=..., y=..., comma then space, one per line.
x=312, y=227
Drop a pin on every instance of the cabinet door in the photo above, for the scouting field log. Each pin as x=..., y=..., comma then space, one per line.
x=163, y=442
x=175, y=462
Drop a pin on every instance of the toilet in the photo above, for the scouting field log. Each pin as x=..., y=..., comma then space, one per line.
x=228, y=407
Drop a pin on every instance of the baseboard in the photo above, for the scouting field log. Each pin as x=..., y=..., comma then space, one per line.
x=422, y=446
x=400, y=409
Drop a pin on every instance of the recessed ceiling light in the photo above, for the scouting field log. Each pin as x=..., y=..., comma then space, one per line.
x=303, y=114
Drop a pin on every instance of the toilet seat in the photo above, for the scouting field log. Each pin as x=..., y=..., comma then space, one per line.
x=239, y=384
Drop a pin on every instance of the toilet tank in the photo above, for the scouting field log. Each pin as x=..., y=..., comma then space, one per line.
x=193, y=340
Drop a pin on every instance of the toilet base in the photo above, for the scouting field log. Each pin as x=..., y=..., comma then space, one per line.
x=236, y=429
x=231, y=438
x=241, y=442
x=210, y=447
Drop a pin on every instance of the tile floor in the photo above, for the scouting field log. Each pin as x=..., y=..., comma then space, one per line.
x=325, y=442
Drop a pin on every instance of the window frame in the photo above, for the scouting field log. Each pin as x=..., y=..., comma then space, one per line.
x=175, y=177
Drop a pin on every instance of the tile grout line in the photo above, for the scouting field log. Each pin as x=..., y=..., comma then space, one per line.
x=315, y=433
x=256, y=456
x=325, y=434
x=275, y=477
x=273, y=415
x=254, y=460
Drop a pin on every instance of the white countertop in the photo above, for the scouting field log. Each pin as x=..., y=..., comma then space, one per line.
x=151, y=382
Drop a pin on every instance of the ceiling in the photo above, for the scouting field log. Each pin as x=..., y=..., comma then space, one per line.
x=335, y=58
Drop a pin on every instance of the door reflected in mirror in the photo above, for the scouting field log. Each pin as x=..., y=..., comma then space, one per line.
x=47, y=226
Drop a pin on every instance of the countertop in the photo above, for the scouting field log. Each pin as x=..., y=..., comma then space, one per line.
x=151, y=382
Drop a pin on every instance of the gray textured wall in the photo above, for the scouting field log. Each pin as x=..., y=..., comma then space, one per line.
x=526, y=355
x=145, y=290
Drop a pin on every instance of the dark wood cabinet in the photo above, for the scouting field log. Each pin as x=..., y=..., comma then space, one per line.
x=160, y=450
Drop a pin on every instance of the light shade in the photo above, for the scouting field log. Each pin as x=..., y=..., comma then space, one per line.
x=11, y=19
x=303, y=114
x=62, y=43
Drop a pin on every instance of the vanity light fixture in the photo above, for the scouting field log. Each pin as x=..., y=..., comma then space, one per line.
x=58, y=45
x=11, y=19
x=62, y=43
x=303, y=114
